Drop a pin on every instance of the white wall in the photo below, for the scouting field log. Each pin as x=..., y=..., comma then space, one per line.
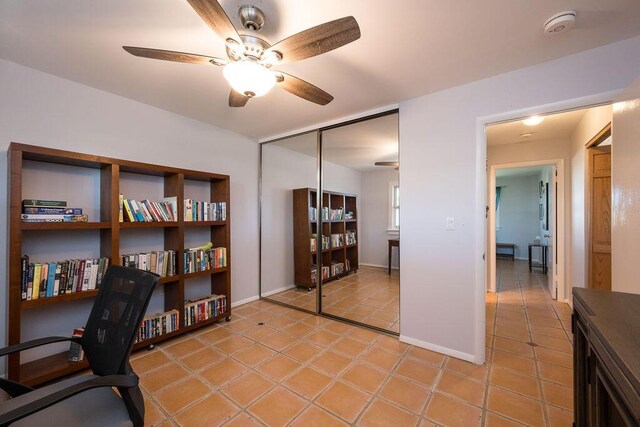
x=519, y=221
x=41, y=109
x=625, y=181
x=374, y=218
x=284, y=170
x=442, y=152
x=594, y=120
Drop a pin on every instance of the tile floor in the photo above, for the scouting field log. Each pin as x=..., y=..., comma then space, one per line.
x=302, y=370
x=370, y=296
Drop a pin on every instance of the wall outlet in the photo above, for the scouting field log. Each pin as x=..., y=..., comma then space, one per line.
x=451, y=223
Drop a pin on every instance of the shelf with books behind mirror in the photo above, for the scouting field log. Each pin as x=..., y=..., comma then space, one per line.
x=288, y=263
x=358, y=287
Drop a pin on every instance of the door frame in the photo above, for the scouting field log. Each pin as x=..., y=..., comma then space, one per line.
x=558, y=222
x=597, y=139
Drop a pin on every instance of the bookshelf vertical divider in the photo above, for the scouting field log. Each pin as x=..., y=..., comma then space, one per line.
x=109, y=230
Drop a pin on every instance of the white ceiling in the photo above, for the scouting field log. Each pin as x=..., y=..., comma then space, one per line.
x=357, y=146
x=408, y=48
x=554, y=126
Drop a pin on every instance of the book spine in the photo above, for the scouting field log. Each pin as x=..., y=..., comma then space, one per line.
x=36, y=281
x=128, y=211
x=44, y=276
x=30, y=283
x=24, y=270
x=78, y=283
x=51, y=211
x=64, y=276
x=120, y=209
x=44, y=203
x=54, y=218
x=56, y=283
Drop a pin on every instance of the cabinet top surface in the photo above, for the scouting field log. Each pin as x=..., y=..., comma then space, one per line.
x=615, y=318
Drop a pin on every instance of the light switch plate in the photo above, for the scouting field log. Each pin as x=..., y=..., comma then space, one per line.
x=451, y=223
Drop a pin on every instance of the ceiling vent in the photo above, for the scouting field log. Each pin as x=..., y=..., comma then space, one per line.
x=560, y=23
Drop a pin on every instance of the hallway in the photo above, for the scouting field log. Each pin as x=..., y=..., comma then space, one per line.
x=529, y=345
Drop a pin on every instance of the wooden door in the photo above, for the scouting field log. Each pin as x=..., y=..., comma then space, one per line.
x=600, y=217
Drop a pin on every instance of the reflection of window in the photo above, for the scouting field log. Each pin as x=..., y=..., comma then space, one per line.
x=394, y=205
x=498, y=194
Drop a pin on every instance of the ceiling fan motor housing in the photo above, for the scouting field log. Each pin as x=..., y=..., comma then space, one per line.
x=251, y=17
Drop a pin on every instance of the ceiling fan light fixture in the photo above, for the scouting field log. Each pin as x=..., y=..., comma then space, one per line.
x=249, y=78
x=533, y=120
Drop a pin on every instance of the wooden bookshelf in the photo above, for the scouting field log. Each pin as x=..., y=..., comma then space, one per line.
x=108, y=233
x=304, y=226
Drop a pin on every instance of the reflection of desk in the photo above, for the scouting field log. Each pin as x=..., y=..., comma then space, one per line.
x=394, y=243
x=542, y=265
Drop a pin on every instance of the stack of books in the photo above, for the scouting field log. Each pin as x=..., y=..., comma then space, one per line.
x=158, y=324
x=162, y=263
x=204, y=309
x=335, y=214
x=34, y=210
x=148, y=211
x=313, y=214
x=50, y=279
x=204, y=211
x=337, y=240
x=351, y=237
x=204, y=258
x=337, y=268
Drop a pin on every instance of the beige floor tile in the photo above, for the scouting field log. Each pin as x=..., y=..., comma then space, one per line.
x=461, y=386
x=495, y=420
x=343, y=400
x=563, y=345
x=152, y=415
x=308, y=382
x=232, y=344
x=558, y=395
x=243, y=420
x=516, y=347
x=258, y=333
x=278, y=367
x=185, y=347
x=426, y=356
x=477, y=372
x=556, y=374
x=422, y=373
x=223, y=372
x=278, y=407
x=516, y=382
x=315, y=416
x=175, y=398
x=331, y=362
x=450, y=411
x=381, y=413
x=299, y=329
x=279, y=341
x=153, y=381
x=405, y=393
x=554, y=357
x=338, y=327
x=247, y=388
x=202, y=358
x=364, y=376
x=381, y=358
x=322, y=338
x=349, y=347
x=514, y=362
x=212, y=411
x=515, y=406
x=149, y=361
x=303, y=351
x=253, y=355
x=215, y=335
x=559, y=417
x=364, y=335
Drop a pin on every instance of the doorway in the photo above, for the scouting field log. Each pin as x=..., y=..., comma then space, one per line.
x=598, y=210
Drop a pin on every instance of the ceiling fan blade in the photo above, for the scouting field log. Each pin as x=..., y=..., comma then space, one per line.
x=215, y=17
x=237, y=100
x=303, y=89
x=394, y=164
x=319, y=39
x=169, y=55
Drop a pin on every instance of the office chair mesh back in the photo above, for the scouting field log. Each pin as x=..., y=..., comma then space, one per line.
x=115, y=318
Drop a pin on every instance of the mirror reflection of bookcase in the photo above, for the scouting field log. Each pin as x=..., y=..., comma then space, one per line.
x=336, y=244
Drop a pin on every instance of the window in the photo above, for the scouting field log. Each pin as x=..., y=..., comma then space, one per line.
x=394, y=206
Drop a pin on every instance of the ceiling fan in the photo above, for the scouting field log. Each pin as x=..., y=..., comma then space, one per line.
x=248, y=69
x=395, y=165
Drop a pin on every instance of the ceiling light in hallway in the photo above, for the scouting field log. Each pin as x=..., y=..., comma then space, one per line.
x=533, y=120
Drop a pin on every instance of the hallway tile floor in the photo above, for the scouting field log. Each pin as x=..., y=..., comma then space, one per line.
x=275, y=366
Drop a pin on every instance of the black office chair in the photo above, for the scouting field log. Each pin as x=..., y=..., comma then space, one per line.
x=107, y=342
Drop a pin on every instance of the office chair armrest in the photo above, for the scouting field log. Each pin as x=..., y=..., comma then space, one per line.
x=36, y=343
x=124, y=381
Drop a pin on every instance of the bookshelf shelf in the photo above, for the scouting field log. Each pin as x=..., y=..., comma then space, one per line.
x=113, y=176
x=56, y=226
x=304, y=227
x=164, y=224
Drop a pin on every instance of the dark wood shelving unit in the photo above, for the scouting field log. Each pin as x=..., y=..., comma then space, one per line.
x=108, y=231
x=304, y=199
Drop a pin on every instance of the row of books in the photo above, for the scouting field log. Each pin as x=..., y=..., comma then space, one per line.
x=158, y=324
x=36, y=210
x=337, y=268
x=204, y=258
x=326, y=273
x=162, y=263
x=149, y=211
x=330, y=214
x=335, y=214
x=337, y=240
x=204, y=211
x=50, y=279
x=204, y=309
x=326, y=242
x=351, y=237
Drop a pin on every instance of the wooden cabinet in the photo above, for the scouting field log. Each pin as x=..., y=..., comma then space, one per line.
x=606, y=363
x=324, y=238
x=105, y=236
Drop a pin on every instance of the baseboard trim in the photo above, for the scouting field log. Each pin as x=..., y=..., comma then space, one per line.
x=275, y=291
x=245, y=301
x=366, y=264
x=437, y=348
